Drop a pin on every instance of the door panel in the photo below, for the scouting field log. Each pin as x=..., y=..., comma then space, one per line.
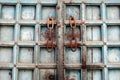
x=46, y=57
x=48, y=11
x=6, y=54
x=72, y=74
x=10, y=14
x=25, y=39
x=93, y=12
x=28, y=12
x=46, y=73
x=94, y=55
x=6, y=74
x=93, y=33
x=113, y=12
x=4, y=30
x=25, y=74
x=116, y=31
x=27, y=33
x=116, y=72
x=26, y=55
x=72, y=57
x=94, y=74
x=72, y=10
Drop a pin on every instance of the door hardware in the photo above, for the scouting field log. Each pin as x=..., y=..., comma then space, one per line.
x=49, y=34
x=73, y=34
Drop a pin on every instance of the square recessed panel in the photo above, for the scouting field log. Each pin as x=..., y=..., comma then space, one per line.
x=5, y=74
x=26, y=55
x=48, y=11
x=43, y=30
x=27, y=33
x=94, y=55
x=114, y=74
x=25, y=74
x=93, y=33
x=71, y=57
x=6, y=54
x=72, y=10
x=71, y=74
x=28, y=12
x=46, y=57
x=6, y=33
x=77, y=31
x=113, y=12
x=113, y=33
x=113, y=54
x=8, y=12
x=93, y=12
x=94, y=75
x=46, y=73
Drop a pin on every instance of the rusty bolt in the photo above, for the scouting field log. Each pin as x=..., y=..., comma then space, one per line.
x=58, y=25
x=36, y=66
x=36, y=43
x=14, y=65
x=57, y=7
x=84, y=44
x=51, y=77
x=104, y=43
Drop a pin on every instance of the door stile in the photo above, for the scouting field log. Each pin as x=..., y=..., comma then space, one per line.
x=60, y=43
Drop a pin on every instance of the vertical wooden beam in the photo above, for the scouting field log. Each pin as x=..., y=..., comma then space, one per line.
x=83, y=28
x=60, y=37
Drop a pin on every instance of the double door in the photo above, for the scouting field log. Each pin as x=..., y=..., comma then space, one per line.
x=59, y=40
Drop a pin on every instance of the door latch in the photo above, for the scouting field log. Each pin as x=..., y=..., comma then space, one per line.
x=49, y=34
x=72, y=34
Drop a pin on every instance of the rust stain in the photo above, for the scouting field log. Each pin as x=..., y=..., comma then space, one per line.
x=38, y=31
x=84, y=61
x=70, y=1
